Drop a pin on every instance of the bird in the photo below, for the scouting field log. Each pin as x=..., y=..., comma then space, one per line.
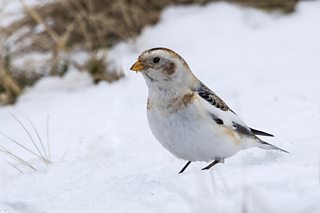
x=188, y=118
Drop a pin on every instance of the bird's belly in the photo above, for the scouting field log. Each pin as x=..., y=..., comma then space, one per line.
x=191, y=135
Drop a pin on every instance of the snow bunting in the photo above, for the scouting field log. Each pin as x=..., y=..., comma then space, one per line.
x=186, y=117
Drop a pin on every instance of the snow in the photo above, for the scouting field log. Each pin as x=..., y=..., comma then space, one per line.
x=105, y=159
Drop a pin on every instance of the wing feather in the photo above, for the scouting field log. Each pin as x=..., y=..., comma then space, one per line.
x=259, y=132
x=207, y=94
x=220, y=112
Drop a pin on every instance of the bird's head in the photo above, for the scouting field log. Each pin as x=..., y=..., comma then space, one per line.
x=164, y=68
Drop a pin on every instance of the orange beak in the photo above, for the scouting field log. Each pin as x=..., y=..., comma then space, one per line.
x=138, y=66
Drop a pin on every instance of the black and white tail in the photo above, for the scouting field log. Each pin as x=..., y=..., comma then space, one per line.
x=264, y=145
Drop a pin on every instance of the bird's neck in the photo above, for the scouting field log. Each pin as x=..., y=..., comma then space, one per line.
x=165, y=92
x=163, y=96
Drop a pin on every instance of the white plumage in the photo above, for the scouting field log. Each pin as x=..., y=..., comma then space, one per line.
x=186, y=117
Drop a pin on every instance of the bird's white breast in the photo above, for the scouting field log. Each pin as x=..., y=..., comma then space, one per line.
x=190, y=134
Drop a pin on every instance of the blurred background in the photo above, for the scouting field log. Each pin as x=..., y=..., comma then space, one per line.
x=44, y=38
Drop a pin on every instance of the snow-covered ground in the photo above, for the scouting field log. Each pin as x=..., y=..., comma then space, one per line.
x=105, y=159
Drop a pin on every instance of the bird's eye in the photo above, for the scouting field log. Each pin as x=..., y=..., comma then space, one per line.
x=156, y=60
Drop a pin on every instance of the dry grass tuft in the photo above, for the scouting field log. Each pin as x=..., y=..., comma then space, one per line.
x=40, y=148
x=56, y=28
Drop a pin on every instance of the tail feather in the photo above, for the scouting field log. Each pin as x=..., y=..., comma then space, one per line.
x=259, y=132
x=264, y=145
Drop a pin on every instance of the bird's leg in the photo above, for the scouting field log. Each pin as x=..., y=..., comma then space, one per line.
x=184, y=168
x=212, y=164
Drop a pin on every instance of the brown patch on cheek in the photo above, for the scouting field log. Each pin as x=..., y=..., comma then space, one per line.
x=175, y=55
x=170, y=69
x=233, y=136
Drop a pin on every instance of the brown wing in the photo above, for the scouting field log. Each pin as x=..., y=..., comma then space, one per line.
x=211, y=97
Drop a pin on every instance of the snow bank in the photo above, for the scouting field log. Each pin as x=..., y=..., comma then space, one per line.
x=265, y=66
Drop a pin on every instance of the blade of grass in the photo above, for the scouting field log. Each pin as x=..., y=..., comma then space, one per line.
x=37, y=17
x=20, y=145
x=40, y=140
x=23, y=162
x=9, y=81
x=30, y=136
x=15, y=167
